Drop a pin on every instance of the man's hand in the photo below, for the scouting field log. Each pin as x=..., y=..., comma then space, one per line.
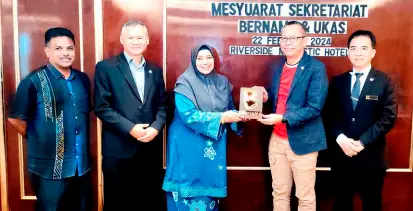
x=271, y=119
x=19, y=125
x=138, y=130
x=358, y=144
x=264, y=93
x=350, y=147
x=151, y=133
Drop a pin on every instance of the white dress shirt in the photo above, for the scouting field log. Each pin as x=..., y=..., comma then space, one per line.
x=138, y=73
x=363, y=78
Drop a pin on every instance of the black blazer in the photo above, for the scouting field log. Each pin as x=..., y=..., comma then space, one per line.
x=119, y=106
x=374, y=116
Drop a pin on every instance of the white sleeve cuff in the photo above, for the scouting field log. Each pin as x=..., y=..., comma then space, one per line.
x=340, y=138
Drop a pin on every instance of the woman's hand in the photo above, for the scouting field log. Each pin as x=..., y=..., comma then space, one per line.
x=231, y=116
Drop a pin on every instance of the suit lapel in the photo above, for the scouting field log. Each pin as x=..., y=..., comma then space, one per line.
x=148, y=83
x=124, y=68
x=302, y=65
x=347, y=92
x=370, y=80
x=300, y=69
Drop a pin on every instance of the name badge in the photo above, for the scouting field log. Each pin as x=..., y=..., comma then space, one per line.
x=372, y=97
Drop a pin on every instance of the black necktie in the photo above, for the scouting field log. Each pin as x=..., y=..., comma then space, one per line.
x=355, y=93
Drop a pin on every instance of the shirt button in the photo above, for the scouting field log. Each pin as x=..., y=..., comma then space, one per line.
x=140, y=107
x=75, y=117
x=352, y=119
x=77, y=132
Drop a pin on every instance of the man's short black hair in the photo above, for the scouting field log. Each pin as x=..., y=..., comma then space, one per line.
x=289, y=23
x=365, y=33
x=57, y=32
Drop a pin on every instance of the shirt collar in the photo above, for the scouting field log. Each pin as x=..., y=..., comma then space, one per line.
x=57, y=74
x=365, y=71
x=130, y=60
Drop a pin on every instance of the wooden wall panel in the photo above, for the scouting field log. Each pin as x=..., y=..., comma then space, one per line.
x=87, y=26
x=24, y=24
x=33, y=19
x=3, y=168
x=9, y=86
x=116, y=13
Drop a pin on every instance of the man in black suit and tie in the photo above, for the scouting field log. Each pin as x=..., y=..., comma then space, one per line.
x=362, y=109
x=130, y=101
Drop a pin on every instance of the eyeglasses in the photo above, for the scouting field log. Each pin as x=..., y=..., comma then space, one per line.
x=291, y=39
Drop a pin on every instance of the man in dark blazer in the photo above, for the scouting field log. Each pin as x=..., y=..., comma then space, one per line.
x=297, y=93
x=130, y=101
x=361, y=110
